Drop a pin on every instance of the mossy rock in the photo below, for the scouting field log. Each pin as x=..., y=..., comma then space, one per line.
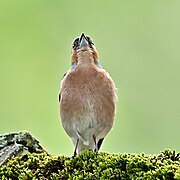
x=90, y=165
x=17, y=144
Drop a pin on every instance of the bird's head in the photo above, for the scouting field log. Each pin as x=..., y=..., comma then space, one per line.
x=82, y=44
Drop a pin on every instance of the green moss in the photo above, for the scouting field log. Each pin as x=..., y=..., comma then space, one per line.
x=90, y=165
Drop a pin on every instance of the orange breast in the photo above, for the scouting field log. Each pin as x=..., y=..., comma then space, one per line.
x=86, y=90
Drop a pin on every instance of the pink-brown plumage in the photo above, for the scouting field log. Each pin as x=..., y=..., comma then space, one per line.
x=87, y=99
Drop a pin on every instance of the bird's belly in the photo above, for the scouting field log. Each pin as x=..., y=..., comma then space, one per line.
x=82, y=120
x=85, y=127
x=87, y=108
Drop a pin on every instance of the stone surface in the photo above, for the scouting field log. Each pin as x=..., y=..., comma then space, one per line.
x=17, y=144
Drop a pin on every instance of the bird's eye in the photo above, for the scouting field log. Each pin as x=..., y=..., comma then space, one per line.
x=89, y=40
x=75, y=43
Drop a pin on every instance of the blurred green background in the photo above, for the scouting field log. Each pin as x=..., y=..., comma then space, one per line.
x=138, y=44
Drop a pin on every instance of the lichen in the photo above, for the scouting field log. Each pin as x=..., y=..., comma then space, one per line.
x=90, y=165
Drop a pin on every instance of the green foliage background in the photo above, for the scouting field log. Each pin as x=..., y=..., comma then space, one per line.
x=138, y=44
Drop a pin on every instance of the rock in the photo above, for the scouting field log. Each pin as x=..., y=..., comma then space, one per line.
x=17, y=144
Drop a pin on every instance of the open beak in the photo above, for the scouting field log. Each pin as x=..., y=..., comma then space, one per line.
x=83, y=41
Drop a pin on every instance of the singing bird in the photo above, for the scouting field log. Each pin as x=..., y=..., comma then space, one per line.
x=87, y=98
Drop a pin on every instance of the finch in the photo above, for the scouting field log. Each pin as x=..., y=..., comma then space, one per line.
x=87, y=98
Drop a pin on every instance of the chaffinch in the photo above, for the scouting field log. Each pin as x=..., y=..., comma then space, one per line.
x=87, y=98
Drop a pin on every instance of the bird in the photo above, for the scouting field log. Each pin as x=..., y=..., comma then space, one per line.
x=87, y=97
